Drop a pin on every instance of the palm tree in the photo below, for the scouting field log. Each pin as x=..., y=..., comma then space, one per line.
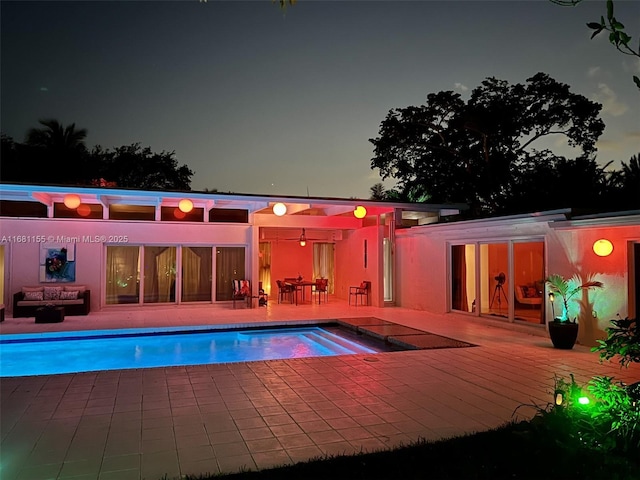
x=558, y=285
x=56, y=137
x=59, y=151
x=378, y=192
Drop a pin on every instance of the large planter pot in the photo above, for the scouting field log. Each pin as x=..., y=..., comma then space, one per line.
x=563, y=334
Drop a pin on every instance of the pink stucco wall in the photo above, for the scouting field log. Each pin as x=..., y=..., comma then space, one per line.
x=23, y=257
x=423, y=272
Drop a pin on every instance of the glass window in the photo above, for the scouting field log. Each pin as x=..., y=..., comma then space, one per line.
x=196, y=274
x=123, y=275
x=159, y=274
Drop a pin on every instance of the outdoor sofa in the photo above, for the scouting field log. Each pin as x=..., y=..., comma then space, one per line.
x=76, y=300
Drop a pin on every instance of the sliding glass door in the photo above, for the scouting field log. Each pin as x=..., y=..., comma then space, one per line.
x=502, y=279
x=494, y=268
x=229, y=266
x=122, y=275
x=196, y=274
x=463, y=277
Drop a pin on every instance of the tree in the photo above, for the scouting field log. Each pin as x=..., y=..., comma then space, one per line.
x=137, y=167
x=378, y=192
x=624, y=185
x=57, y=152
x=474, y=152
x=617, y=35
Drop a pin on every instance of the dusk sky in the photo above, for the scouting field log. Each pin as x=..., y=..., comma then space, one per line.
x=259, y=100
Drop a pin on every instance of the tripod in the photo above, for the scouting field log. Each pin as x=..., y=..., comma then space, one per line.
x=498, y=293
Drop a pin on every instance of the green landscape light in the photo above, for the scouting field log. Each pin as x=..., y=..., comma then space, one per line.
x=583, y=400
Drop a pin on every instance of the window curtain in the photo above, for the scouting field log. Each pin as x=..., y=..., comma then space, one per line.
x=265, y=267
x=323, y=263
x=229, y=266
x=196, y=274
x=459, y=279
x=388, y=270
x=159, y=274
x=122, y=283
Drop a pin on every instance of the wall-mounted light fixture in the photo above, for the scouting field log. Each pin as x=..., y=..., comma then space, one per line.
x=279, y=209
x=360, y=212
x=185, y=205
x=303, y=238
x=71, y=201
x=602, y=247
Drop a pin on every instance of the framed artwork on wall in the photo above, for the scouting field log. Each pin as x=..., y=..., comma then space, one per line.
x=58, y=263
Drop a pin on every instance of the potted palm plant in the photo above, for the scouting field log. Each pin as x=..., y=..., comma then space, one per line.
x=564, y=330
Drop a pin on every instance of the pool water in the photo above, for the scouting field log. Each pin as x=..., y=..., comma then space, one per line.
x=70, y=352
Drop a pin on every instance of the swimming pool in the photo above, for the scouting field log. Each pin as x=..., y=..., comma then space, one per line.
x=71, y=352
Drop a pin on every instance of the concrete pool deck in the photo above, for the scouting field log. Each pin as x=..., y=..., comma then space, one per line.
x=144, y=424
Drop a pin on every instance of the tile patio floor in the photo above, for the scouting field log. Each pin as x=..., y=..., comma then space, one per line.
x=144, y=424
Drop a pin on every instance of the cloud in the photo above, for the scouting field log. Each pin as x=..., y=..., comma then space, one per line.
x=593, y=71
x=609, y=100
x=461, y=87
x=631, y=65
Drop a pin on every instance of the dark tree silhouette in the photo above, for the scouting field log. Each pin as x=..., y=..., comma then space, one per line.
x=54, y=153
x=378, y=192
x=475, y=152
x=137, y=167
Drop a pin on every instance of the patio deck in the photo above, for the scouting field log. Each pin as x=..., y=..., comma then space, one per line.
x=144, y=424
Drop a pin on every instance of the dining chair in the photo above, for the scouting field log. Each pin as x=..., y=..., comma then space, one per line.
x=322, y=288
x=360, y=291
x=285, y=290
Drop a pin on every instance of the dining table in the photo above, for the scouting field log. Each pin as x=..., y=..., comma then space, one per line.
x=300, y=287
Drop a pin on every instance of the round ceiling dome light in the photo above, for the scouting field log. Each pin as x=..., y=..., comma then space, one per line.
x=185, y=205
x=71, y=201
x=360, y=212
x=279, y=209
x=602, y=247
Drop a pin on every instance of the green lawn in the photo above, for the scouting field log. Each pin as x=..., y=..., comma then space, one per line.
x=515, y=451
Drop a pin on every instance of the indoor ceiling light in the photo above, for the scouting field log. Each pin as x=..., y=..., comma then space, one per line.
x=279, y=209
x=360, y=212
x=71, y=201
x=185, y=205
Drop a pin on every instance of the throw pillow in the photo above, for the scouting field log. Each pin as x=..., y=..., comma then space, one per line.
x=75, y=288
x=32, y=289
x=69, y=295
x=52, y=293
x=33, y=296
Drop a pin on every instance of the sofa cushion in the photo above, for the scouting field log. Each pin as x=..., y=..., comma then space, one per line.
x=52, y=293
x=65, y=295
x=75, y=288
x=34, y=296
x=70, y=302
x=32, y=289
